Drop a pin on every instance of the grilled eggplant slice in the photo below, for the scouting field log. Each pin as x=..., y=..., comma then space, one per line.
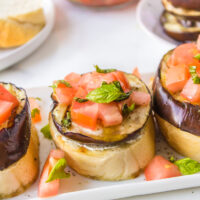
x=182, y=8
x=186, y=4
x=180, y=28
x=19, y=162
x=177, y=119
x=112, y=153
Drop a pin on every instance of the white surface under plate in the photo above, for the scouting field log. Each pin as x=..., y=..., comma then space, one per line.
x=8, y=57
x=78, y=187
x=148, y=16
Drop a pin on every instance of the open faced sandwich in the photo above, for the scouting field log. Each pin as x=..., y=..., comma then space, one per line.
x=177, y=98
x=181, y=19
x=102, y=121
x=19, y=162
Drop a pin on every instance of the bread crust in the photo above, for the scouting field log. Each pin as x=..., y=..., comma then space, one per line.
x=119, y=162
x=20, y=175
x=183, y=142
x=187, y=4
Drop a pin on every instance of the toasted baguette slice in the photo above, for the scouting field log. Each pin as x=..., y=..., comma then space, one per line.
x=20, y=175
x=20, y=21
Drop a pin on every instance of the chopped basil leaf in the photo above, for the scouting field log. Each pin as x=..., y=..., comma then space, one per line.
x=34, y=112
x=46, y=131
x=172, y=159
x=66, y=122
x=118, y=85
x=80, y=100
x=197, y=56
x=127, y=109
x=108, y=92
x=105, y=71
x=188, y=166
x=57, y=171
x=124, y=96
x=38, y=98
x=194, y=75
x=55, y=85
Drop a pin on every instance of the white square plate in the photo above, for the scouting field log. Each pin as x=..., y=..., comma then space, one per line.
x=78, y=187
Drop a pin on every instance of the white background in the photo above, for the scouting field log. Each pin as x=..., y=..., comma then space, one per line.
x=82, y=37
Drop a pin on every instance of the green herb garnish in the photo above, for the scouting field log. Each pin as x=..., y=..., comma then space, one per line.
x=38, y=98
x=55, y=85
x=80, y=100
x=188, y=166
x=66, y=122
x=105, y=71
x=34, y=112
x=194, y=75
x=57, y=171
x=46, y=131
x=172, y=159
x=127, y=109
x=108, y=92
x=197, y=56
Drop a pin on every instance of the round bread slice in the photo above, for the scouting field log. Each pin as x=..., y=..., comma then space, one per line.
x=109, y=153
x=21, y=174
x=180, y=28
x=178, y=120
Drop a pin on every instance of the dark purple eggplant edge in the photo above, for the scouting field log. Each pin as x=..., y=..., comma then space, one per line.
x=182, y=115
x=14, y=141
x=98, y=143
x=186, y=4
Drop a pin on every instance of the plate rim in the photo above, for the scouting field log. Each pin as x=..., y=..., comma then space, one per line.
x=123, y=190
x=145, y=29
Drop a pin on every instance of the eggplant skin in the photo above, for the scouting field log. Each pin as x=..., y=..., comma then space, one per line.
x=21, y=174
x=14, y=140
x=173, y=27
x=183, y=142
x=117, y=162
x=187, y=4
x=182, y=115
x=182, y=37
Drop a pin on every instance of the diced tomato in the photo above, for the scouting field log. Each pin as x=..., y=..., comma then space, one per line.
x=51, y=188
x=64, y=95
x=34, y=105
x=110, y=114
x=122, y=79
x=140, y=98
x=198, y=43
x=73, y=79
x=136, y=72
x=84, y=114
x=5, y=110
x=191, y=91
x=176, y=78
x=5, y=95
x=160, y=168
x=184, y=54
x=93, y=80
